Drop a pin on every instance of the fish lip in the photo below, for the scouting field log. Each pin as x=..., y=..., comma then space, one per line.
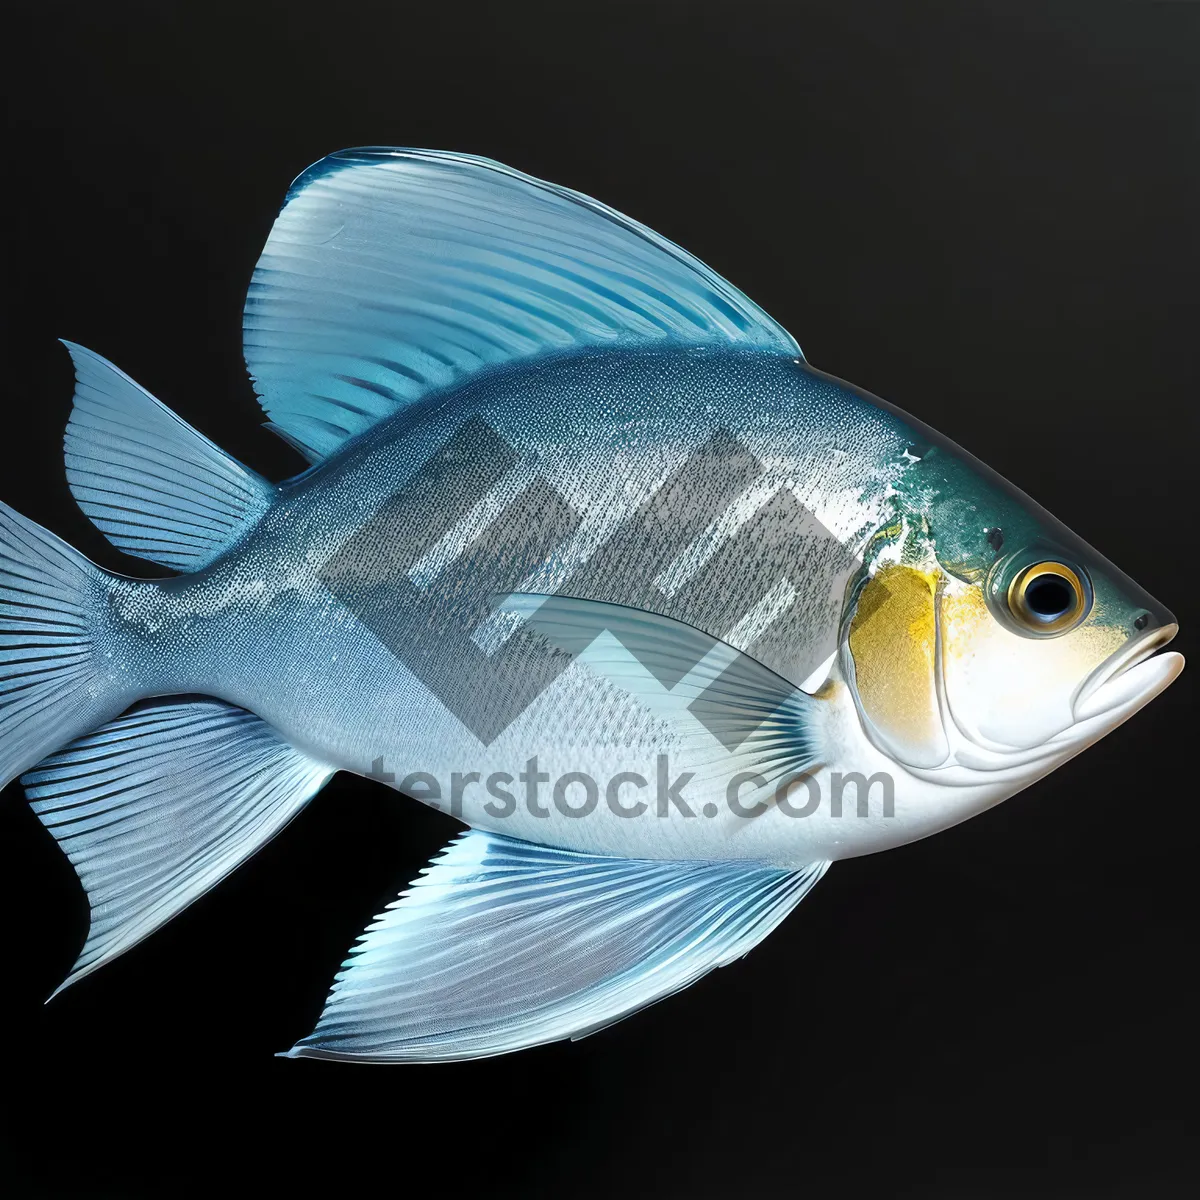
x=1136, y=650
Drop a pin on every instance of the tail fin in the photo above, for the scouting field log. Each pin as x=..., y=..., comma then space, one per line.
x=51, y=599
x=152, y=809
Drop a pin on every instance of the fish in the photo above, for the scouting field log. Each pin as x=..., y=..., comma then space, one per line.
x=588, y=557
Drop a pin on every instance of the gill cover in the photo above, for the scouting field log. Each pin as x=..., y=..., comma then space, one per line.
x=893, y=654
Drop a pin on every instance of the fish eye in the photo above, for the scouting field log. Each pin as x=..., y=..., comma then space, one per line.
x=1048, y=598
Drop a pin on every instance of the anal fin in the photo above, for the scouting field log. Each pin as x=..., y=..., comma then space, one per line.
x=156, y=808
x=502, y=944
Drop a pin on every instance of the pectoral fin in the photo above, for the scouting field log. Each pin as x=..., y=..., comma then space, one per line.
x=503, y=944
x=727, y=703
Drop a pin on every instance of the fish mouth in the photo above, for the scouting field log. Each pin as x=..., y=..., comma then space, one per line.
x=1133, y=675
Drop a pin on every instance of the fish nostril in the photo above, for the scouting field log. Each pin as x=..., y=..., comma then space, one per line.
x=1142, y=648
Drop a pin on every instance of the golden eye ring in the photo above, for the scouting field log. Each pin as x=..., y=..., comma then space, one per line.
x=1048, y=598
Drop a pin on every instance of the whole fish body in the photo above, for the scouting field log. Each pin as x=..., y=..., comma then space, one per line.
x=589, y=557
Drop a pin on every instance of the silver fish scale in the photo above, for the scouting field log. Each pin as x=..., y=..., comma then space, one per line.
x=315, y=623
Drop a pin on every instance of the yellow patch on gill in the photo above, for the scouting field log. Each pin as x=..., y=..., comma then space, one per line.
x=965, y=618
x=893, y=641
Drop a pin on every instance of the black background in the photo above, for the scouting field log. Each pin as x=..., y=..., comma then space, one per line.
x=986, y=213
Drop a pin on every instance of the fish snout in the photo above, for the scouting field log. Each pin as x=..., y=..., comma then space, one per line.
x=1133, y=674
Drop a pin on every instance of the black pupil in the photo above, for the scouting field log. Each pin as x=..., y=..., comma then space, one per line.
x=1050, y=596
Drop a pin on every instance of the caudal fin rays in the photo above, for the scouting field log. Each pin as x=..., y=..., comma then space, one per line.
x=153, y=485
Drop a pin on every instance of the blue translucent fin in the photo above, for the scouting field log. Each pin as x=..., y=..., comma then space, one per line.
x=727, y=703
x=146, y=479
x=156, y=808
x=392, y=272
x=503, y=944
x=51, y=598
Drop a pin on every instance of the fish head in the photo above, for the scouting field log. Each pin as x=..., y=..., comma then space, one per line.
x=983, y=635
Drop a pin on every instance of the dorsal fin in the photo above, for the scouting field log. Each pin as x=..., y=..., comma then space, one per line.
x=393, y=272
